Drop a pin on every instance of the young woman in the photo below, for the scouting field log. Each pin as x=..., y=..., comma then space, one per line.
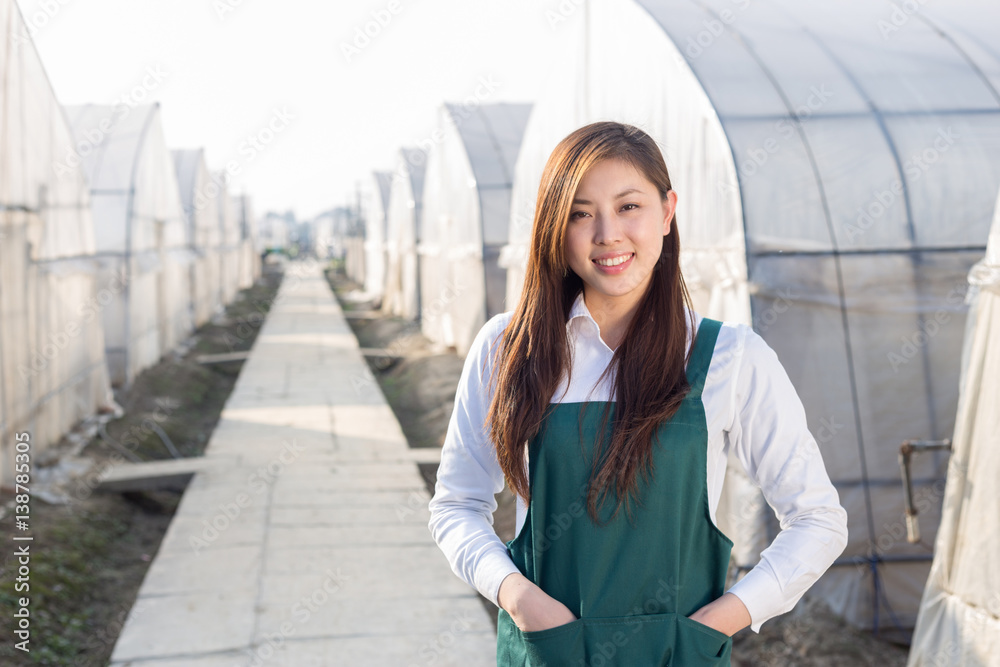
x=609, y=407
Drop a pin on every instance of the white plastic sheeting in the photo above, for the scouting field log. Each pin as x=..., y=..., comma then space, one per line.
x=199, y=195
x=959, y=621
x=354, y=257
x=352, y=238
x=403, y=225
x=229, y=243
x=247, y=258
x=140, y=232
x=836, y=166
x=466, y=214
x=374, y=212
x=52, y=368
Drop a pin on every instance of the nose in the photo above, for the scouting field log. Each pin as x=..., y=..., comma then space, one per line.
x=607, y=229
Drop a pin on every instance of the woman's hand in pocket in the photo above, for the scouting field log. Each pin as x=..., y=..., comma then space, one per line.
x=531, y=608
x=727, y=615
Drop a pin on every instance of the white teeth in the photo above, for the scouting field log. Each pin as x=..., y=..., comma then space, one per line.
x=614, y=261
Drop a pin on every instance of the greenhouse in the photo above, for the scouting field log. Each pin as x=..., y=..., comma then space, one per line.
x=403, y=224
x=140, y=232
x=229, y=241
x=466, y=214
x=352, y=240
x=960, y=612
x=52, y=366
x=199, y=195
x=375, y=206
x=836, y=167
x=248, y=255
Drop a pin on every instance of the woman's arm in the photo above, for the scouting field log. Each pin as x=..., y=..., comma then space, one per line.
x=469, y=477
x=771, y=438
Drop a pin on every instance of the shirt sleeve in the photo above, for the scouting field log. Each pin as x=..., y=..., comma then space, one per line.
x=469, y=477
x=771, y=439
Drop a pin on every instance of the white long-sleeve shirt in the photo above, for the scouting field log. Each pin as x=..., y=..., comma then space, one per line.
x=750, y=407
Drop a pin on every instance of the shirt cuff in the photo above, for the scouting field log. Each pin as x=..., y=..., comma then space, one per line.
x=494, y=571
x=751, y=590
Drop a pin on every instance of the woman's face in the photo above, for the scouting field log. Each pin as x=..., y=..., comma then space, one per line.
x=615, y=232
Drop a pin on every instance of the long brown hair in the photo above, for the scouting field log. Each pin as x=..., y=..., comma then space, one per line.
x=647, y=368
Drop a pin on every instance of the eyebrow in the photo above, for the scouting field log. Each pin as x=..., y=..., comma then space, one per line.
x=617, y=196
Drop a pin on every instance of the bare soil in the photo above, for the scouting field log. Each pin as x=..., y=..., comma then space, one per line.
x=420, y=386
x=90, y=555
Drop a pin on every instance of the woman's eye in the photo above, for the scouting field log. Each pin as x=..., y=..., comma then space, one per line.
x=576, y=214
x=626, y=207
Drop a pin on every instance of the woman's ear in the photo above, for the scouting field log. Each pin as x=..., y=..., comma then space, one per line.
x=669, y=206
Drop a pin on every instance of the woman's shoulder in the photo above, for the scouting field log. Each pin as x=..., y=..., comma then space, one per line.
x=737, y=344
x=489, y=334
x=731, y=332
x=494, y=327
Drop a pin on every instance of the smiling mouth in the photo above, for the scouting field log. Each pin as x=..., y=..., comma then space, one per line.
x=614, y=261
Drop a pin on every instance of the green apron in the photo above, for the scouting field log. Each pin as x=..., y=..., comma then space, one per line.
x=630, y=586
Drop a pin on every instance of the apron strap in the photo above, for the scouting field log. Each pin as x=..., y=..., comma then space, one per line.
x=701, y=355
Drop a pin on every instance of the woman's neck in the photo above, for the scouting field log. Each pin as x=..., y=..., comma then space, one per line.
x=612, y=314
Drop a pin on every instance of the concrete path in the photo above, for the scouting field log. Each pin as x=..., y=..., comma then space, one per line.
x=304, y=541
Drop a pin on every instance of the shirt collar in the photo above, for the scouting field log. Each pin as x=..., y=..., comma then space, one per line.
x=579, y=310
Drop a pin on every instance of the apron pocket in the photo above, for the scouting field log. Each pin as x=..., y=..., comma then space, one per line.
x=555, y=647
x=649, y=640
x=699, y=645
x=643, y=639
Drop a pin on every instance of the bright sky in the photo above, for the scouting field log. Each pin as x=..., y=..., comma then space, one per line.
x=226, y=70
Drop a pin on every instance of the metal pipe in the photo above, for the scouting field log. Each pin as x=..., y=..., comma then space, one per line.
x=906, y=451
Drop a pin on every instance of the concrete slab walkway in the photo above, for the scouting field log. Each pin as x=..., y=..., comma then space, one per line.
x=304, y=541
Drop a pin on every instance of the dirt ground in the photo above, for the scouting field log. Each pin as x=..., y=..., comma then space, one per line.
x=89, y=555
x=420, y=387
